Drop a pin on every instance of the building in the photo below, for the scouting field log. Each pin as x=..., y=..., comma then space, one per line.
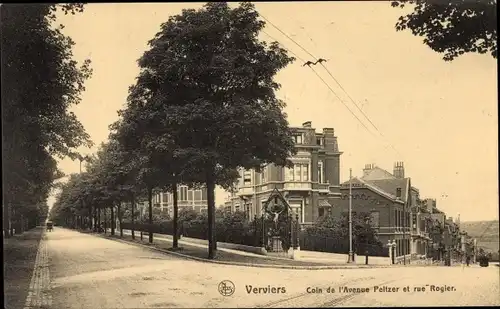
x=430, y=205
x=389, y=200
x=310, y=187
x=187, y=198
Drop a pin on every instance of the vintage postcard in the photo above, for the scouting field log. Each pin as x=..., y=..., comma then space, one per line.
x=250, y=154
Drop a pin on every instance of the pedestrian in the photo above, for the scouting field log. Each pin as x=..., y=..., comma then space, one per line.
x=468, y=260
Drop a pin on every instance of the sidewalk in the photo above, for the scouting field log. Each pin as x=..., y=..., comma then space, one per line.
x=224, y=256
x=234, y=257
x=19, y=260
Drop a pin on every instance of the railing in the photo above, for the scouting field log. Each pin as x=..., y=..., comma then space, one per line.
x=393, y=230
x=246, y=190
x=298, y=185
x=335, y=245
x=323, y=186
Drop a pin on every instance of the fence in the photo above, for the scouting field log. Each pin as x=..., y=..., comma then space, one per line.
x=320, y=243
x=159, y=228
x=242, y=234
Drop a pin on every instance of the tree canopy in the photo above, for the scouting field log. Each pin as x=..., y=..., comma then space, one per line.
x=43, y=82
x=206, y=96
x=453, y=27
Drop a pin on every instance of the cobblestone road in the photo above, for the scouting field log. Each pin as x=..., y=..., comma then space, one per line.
x=92, y=272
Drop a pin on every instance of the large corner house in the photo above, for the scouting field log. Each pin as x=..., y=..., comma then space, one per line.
x=310, y=187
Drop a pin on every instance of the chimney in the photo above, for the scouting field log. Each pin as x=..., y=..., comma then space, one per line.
x=307, y=124
x=399, y=170
x=367, y=169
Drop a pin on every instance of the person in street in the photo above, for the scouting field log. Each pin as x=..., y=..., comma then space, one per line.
x=467, y=260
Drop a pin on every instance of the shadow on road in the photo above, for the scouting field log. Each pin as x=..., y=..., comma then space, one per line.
x=19, y=260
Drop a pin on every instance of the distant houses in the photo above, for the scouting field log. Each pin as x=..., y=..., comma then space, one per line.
x=414, y=226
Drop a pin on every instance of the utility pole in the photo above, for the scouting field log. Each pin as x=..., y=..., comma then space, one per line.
x=475, y=250
x=351, y=256
x=254, y=193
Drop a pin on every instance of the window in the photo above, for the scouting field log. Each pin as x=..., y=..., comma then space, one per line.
x=237, y=207
x=320, y=171
x=305, y=172
x=299, y=172
x=296, y=207
x=263, y=175
x=297, y=167
x=298, y=138
x=319, y=141
x=183, y=193
x=247, y=178
x=197, y=195
x=289, y=174
x=321, y=212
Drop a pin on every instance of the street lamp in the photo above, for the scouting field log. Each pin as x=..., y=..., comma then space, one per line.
x=245, y=207
x=366, y=230
x=392, y=245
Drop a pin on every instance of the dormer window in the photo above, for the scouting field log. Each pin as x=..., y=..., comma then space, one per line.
x=298, y=138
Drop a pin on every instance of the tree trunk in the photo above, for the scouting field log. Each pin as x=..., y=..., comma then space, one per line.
x=21, y=224
x=105, y=211
x=95, y=218
x=11, y=224
x=99, y=223
x=119, y=214
x=90, y=217
x=113, y=219
x=175, y=244
x=5, y=219
x=211, y=214
x=150, y=201
x=133, y=216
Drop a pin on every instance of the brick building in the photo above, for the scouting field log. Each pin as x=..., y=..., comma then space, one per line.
x=311, y=186
x=389, y=199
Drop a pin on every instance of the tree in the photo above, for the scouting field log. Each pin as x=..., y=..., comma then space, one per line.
x=211, y=82
x=453, y=27
x=338, y=227
x=43, y=82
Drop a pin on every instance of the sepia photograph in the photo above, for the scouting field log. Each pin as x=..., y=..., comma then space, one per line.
x=250, y=154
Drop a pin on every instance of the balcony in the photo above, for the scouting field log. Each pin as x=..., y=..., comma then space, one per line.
x=392, y=230
x=323, y=187
x=298, y=185
x=246, y=190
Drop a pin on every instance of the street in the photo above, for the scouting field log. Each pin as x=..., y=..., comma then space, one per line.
x=86, y=271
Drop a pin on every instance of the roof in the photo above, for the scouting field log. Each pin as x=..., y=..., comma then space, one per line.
x=324, y=203
x=385, y=188
x=377, y=173
x=390, y=186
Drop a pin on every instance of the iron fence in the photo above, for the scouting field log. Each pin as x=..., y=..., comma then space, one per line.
x=320, y=243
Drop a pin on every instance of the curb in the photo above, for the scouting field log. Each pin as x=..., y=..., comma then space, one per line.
x=188, y=257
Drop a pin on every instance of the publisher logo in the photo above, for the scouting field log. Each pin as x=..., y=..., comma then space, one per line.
x=226, y=288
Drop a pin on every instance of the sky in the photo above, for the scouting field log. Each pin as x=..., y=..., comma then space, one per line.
x=439, y=118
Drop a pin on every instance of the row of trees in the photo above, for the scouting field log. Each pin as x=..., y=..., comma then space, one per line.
x=40, y=82
x=203, y=106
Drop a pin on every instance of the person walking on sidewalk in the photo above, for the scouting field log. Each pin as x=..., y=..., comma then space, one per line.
x=467, y=260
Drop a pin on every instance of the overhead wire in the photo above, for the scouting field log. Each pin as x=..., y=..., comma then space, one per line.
x=324, y=67
x=337, y=82
x=298, y=57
